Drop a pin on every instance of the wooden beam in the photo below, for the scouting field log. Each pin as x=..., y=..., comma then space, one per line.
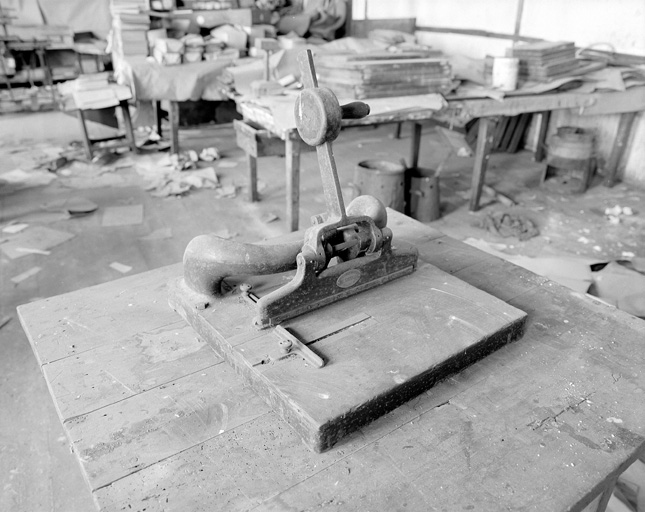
x=622, y=138
x=477, y=32
x=518, y=21
x=482, y=154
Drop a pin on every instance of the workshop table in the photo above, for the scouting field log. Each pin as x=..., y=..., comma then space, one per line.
x=158, y=421
x=151, y=81
x=457, y=112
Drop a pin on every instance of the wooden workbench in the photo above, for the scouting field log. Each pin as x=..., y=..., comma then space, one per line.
x=159, y=422
x=457, y=112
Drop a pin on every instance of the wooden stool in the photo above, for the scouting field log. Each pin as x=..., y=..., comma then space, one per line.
x=127, y=121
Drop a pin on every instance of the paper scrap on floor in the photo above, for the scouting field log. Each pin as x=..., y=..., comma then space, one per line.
x=120, y=267
x=572, y=272
x=26, y=275
x=37, y=238
x=622, y=287
x=12, y=229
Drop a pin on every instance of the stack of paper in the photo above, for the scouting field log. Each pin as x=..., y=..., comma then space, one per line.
x=381, y=75
x=542, y=61
x=130, y=23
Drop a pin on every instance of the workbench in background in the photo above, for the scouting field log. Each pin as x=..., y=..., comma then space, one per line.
x=159, y=422
x=150, y=81
x=457, y=111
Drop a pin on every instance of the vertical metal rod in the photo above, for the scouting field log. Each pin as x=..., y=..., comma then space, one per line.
x=518, y=21
x=292, y=157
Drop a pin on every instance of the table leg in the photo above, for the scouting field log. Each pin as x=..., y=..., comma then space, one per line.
x=292, y=157
x=156, y=116
x=622, y=137
x=127, y=120
x=173, y=115
x=417, y=128
x=49, y=77
x=606, y=495
x=540, y=150
x=87, y=143
x=482, y=154
x=252, y=162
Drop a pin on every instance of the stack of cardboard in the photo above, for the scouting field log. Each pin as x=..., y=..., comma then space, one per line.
x=382, y=75
x=167, y=51
x=542, y=61
x=130, y=24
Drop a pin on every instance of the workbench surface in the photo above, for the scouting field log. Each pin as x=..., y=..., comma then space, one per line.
x=159, y=422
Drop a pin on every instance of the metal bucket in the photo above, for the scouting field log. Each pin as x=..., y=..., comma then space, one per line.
x=424, y=195
x=383, y=180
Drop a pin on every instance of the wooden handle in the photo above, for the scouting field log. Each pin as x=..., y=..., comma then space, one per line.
x=209, y=259
x=355, y=110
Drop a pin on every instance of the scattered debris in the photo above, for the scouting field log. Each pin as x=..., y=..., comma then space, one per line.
x=82, y=175
x=615, y=213
x=57, y=163
x=505, y=200
x=209, y=154
x=506, y=225
x=122, y=215
x=105, y=158
x=176, y=183
x=26, y=275
x=184, y=160
x=120, y=267
x=227, y=191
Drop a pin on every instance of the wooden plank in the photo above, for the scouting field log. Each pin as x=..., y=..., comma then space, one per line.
x=118, y=440
x=126, y=367
x=508, y=133
x=421, y=329
x=518, y=134
x=548, y=420
x=588, y=104
x=476, y=32
x=361, y=28
x=73, y=323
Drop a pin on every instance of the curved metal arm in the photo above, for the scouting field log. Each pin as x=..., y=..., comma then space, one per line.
x=209, y=259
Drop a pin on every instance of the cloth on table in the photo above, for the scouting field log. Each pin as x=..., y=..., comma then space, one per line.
x=192, y=81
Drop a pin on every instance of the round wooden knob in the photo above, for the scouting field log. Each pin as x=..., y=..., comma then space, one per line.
x=318, y=116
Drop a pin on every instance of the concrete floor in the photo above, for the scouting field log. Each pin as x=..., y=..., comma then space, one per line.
x=37, y=470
